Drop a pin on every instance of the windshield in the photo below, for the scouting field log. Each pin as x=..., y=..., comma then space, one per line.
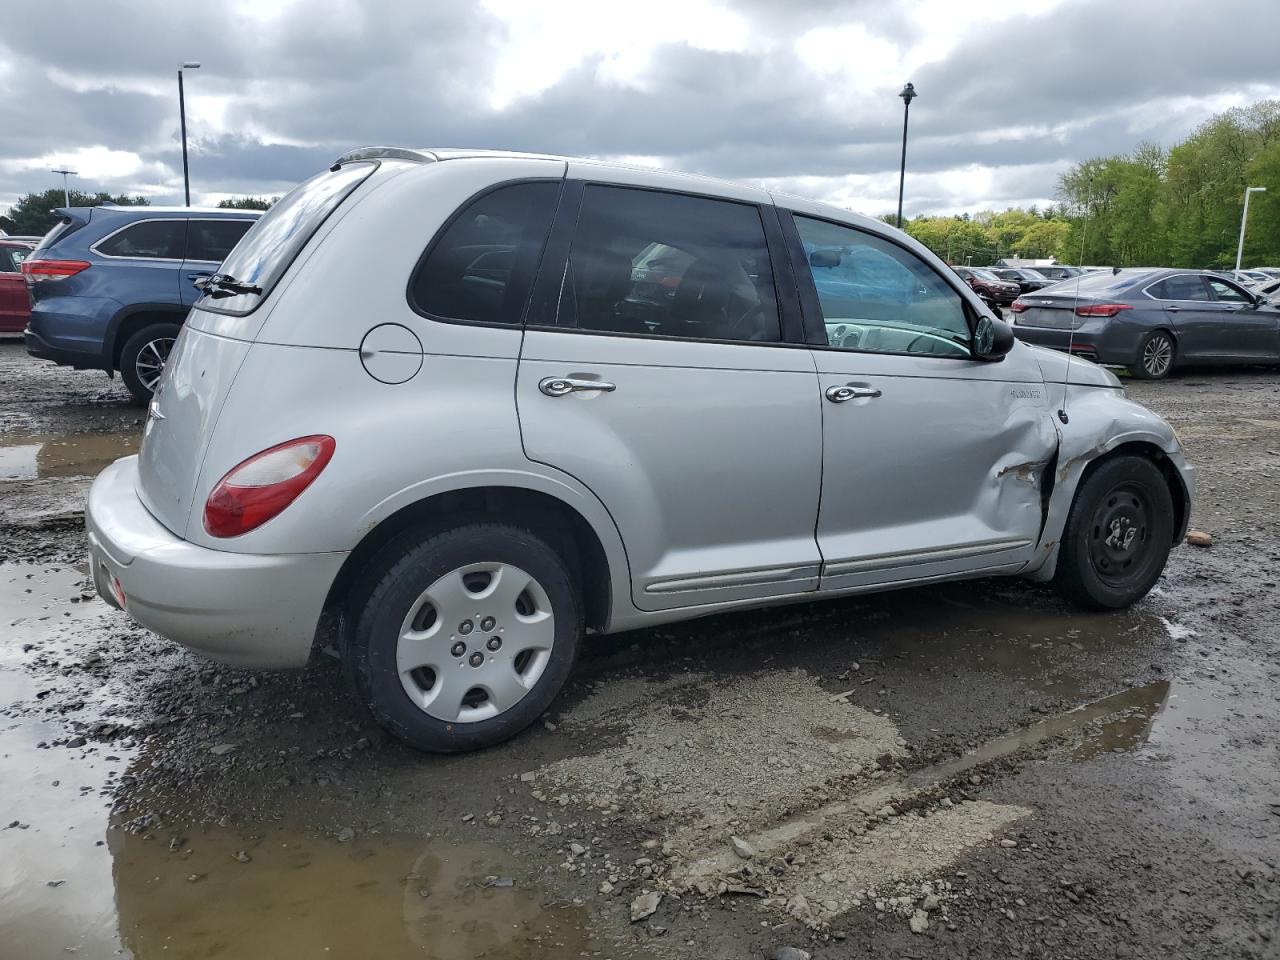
x=984, y=275
x=264, y=253
x=1032, y=274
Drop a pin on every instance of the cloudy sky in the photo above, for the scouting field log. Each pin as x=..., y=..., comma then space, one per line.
x=795, y=94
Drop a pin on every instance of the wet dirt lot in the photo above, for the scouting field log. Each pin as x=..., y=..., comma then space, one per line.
x=972, y=770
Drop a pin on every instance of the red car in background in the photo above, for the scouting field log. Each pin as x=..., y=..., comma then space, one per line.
x=15, y=305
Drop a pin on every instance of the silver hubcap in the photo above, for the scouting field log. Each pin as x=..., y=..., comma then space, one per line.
x=150, y=362
x=1157, y=356
x=475, y=642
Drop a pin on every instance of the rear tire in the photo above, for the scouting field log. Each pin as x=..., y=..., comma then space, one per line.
x=1118, y=535
x=462, y=639
x=143, y=357
x=1156, y=355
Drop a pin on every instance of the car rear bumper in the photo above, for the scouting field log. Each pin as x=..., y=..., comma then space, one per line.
x=1086, y=343
x=249, y=610
x=42, y=349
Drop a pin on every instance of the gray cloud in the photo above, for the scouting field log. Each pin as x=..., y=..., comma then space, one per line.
x=1022, y=97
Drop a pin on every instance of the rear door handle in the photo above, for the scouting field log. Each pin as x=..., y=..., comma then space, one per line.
x=1173, y=308
x=840, y=394
x=562, y=386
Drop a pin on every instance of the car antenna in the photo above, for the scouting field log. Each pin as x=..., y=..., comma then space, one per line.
x=1071, y=337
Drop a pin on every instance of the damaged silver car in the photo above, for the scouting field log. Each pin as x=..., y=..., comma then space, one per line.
x=447, y=412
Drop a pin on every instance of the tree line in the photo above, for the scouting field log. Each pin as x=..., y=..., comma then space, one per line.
x=1153, y=206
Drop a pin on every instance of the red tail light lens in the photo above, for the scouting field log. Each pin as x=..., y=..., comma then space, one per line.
x=261, y=487
x=1102, y=309
x=1017, y=306
x=37, y=271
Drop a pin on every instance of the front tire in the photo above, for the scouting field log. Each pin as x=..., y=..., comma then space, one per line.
x=1156, y=354
x=143, y=357
x=1118, y=535
x=463, y=639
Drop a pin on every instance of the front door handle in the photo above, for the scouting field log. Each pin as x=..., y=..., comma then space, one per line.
x=840, y=394
x=562, y=386
x=1173, y=308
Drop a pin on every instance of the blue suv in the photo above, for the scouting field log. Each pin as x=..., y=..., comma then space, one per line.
x=110, y=286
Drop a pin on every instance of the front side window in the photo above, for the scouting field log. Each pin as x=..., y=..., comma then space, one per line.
x=151, y=240
x=879, y=298
x=1185, y=286
x=1228, y=293
x=649, y=263
x=212, y=240
x=481, y=268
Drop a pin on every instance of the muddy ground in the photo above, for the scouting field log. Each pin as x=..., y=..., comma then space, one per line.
x=972, y=770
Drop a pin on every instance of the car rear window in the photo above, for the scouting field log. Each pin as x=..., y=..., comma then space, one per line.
x=212, y=240
x=266, y=251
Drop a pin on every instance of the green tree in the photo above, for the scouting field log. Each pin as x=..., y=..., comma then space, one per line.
x=33, y=214
x=247, y=203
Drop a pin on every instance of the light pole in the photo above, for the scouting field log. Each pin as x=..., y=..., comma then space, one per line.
x=1243, y=218
x=182, y=114
x=66, y=192
x=908, y=94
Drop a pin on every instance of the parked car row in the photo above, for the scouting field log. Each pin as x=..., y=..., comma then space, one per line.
x=110, y=286
x=1151, y=321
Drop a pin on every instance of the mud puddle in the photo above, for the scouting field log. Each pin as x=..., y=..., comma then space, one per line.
x=80, y=874
x=35, y=456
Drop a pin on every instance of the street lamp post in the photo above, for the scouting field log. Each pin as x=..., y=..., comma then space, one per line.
x=182, y=114
x=66, y=191
x=1243, y=219
x=908, y=94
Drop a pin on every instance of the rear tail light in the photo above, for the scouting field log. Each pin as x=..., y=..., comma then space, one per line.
x=261, y=487
x=1017, y=306
x=37, y=271
x=1102, y=309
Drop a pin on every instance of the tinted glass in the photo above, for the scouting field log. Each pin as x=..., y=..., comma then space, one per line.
x=152, y=239
x=212, y=240
x=666, y=264
x=274, y=240
x=10, y=259
x=482, y=267
x=1182, y=287
x=1228, y=293
x=879, y=298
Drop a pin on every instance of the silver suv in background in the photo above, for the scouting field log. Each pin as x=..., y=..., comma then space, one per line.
x=566, y=397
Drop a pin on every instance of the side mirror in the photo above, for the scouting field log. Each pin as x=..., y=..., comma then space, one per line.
x=992, y=339
x=824, y=258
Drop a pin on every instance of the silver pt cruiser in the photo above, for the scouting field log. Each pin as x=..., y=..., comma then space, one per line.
x=467, y=407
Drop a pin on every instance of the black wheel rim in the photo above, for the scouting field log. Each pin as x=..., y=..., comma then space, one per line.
x=1120, y=535
x=1157, y=355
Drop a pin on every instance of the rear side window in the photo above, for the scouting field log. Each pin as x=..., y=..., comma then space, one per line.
x=481, y=269
x=273, y=242
x=670, y=265
x=11, y=259
x=212, y=240
x=149, y=240
x=1183, y=287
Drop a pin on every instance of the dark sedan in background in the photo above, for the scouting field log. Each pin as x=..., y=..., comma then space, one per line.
x=988, y=286
x=1028, y=280
x=1152, y=320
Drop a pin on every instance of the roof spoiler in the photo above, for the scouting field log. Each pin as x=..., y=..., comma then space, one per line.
x=385, y=153
x=76, y=215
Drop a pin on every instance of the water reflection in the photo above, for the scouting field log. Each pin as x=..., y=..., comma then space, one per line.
x=27, y=456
